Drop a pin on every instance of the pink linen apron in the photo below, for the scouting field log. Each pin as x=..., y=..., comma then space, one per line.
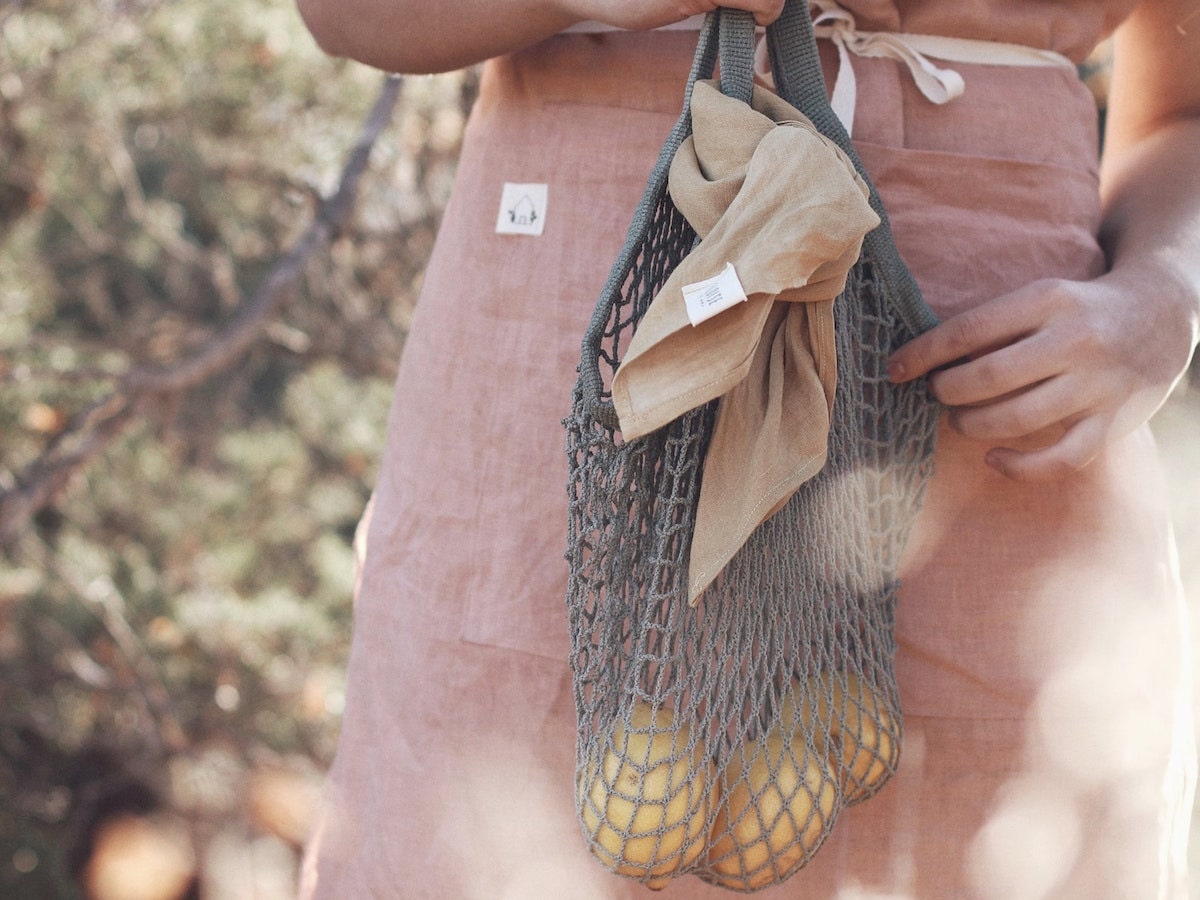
x=1040, y=631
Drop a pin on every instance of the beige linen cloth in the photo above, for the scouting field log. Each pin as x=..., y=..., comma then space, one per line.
x=769, y=194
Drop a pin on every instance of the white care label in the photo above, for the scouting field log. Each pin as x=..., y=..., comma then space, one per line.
x=705, y=299
x=522, y=209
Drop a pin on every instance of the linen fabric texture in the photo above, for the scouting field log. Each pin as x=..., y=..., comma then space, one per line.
x=1041, y=651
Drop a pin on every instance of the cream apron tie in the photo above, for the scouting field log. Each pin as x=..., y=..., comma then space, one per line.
x=916, y=51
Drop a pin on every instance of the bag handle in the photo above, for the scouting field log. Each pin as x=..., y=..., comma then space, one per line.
x=796, y=68
x=590, y=384
x=729, y=35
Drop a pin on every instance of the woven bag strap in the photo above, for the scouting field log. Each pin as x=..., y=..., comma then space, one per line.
x=736, y=43
x=796, y=68
x=728, y=35
x=591, y=382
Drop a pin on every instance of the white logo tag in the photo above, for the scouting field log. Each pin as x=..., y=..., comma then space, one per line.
x=705, y=299
x=522, y=209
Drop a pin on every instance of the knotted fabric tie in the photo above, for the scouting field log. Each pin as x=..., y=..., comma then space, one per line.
x=783, y=206
x=916, y=51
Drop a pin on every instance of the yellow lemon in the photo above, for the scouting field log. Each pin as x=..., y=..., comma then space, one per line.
x=869, y=753
x=645, y=807
x=774, y=809
x=859, y=724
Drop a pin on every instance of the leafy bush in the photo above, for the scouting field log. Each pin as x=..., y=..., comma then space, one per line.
x=174, y=624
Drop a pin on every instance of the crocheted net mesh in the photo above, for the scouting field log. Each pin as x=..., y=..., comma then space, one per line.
x=723, y=740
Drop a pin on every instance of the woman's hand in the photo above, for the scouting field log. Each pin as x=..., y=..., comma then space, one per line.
x=1095, y=358
x=638, y=15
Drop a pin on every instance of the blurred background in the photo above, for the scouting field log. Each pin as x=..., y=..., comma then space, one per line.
x=211, y=241
x=175, y=551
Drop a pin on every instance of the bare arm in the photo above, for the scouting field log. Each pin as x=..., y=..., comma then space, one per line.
x=1098, y=357
x=1151, y=165
x=441, y=35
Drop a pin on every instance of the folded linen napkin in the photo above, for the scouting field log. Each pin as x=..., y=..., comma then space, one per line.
x=771, y=196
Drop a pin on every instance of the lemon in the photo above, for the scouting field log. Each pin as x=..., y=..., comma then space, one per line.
x=860, y=728
x=869, y=753
x=645, y=807
x=774, y=809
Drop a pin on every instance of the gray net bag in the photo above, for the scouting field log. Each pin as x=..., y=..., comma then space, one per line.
x=723, y=739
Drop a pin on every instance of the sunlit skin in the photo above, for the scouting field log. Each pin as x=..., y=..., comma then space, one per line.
x=1095, y=359
x=419, y=36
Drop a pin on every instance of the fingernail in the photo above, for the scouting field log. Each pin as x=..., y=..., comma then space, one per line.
x=895, y=370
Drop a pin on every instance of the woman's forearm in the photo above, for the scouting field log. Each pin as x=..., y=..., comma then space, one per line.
x=441, y=35
x=1151, y=228
x=424, y=36
x=1150, y=179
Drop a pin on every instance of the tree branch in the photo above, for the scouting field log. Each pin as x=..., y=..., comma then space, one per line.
x=94, y=429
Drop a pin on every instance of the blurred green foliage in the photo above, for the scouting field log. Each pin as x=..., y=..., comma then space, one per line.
x=176, y=623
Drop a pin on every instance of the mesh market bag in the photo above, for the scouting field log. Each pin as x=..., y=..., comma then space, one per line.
x=722, y=738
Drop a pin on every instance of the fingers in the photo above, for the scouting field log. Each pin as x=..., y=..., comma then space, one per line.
x=965, y=335
x=1059, y=404
x=1087, y=356
x=994, y=375
x=1008, y=370
x=1072, y=452
x=639, y=14
x=767, y=12
x=1019, y=415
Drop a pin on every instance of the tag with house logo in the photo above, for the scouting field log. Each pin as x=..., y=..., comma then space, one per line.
x=522, y=209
